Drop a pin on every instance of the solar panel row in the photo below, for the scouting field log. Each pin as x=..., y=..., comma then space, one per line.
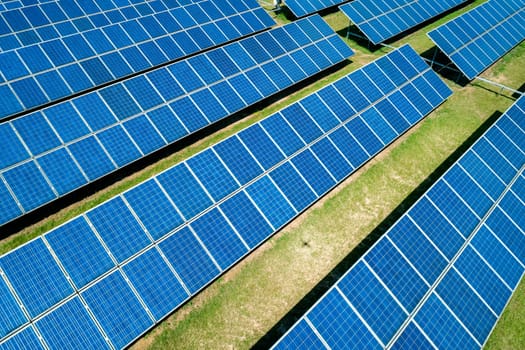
x=442, y=275
x=380, y=20
x=126, y=264
x=36, y=74
x=302, y=8
x=56, y=150
x=478, y=38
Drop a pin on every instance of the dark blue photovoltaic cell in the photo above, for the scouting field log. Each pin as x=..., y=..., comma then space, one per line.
x=119, y=229
x=12, y=149
x=441, y=326
x=470, y=191
x=461, y=216
x=36, y=133
x=155, y=283
x=8, y=207
x=378, y=308
x=293, y=186
x=91, y=157
x=79, y=251
x=482, y=174
x=261, y=146
x=402, y=280
x=497, y=256
x=153, y=209
x=77, y=329
x=338, y=324
x=332, y=159
x=35, y=276
x=508, y=232
x=117, y=309
x=212, y=174
x=189, y=259
x=313, y=172
x=436, y=227
x=237, y=158
x=301, y=337
x=184, y=190
x=483, y=279
x=466, y=305
x=246, y=219
x=33, y=196
x=24, y=339
x=220, y=239
x=302, y=123
x=11, y=315
x=119, y=145
x=412, y=338
x=61, y=170
x=350, y=148
x=283, y=134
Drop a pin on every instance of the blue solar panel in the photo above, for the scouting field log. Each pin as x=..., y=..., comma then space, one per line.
x=202, y=223
x=11, y=314
x=79, y=251
x=155, y=282
x=117, y=309
x=440, y=276
x=35, y=277
x=118, y=124
x=111, y=49
x=478, y=38
x=77, y=328
x=119, y=229
x=26, y=338
x=380, y=21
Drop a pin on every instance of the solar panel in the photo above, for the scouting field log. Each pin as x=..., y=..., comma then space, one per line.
x=302, y=8
x=443, y=273
x=58, y=49
x=480, y=37
x=61, y=148
x=382, y=20
x=220, y=204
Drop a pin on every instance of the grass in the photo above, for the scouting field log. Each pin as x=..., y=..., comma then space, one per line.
x=244, y=304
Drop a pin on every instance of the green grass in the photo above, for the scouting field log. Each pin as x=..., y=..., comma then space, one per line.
x=240, y=307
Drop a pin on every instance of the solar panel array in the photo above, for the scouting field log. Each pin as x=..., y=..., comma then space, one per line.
x=58, y=149
x=59, y=49
x=107, y=276
x=478, y=38
x=302, y=8
x=381, y=20
x=442, y=275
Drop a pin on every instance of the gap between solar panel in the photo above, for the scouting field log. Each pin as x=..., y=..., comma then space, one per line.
x=443, y=273
x=161, y=242
x=98, y=133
